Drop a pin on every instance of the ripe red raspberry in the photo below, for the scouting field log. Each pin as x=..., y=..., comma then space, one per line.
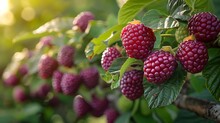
x=56, y=80
x=193, y=55
x=111, y=115
x=81, y=106
x=108, y=56
x=66, y=55
x=138, y=40
x=204, y=26
x=19, y=94
x=11, y=80
x=46, y=66
x=159, y=66
x=81, y=21
x=99, y=105
x=131, y=84
x=90, y=77
x=70, y=83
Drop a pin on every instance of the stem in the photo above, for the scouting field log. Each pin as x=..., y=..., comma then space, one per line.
x=167, y=35
x=201, y=107
x=135, y=108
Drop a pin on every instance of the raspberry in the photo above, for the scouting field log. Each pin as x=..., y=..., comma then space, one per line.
x=56, y=80
x=204, y=26
x=54, y=102
x=45, y=42
x=193, y=55
x=42, y=91
x=19, y=94
x=181, y=33
x=108, y=56
x=70, y=83
x=11, y=80
x=131, y=84
x=138, y=40
x=90, y=77
x=98, y=105
x=23, y=70
x=80, y=106
x=111, y=115
x=159, y=66
x=46, y=66
x=81, y=21
x=65, y=56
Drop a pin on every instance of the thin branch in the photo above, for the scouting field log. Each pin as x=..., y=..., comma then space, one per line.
x=209, y=110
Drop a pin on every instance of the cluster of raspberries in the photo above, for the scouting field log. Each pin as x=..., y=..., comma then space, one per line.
x=96, y=107
x=138, y=41
x=68, y=83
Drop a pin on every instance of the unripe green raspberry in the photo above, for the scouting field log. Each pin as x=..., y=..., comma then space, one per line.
x=124, y=104
x=143, y=108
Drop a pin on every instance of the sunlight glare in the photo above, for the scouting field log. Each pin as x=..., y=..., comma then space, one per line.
x=4, y=6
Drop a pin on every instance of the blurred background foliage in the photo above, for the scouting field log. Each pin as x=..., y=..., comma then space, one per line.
x=20, y=16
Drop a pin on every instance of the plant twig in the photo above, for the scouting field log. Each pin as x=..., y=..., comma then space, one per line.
x=209, y=110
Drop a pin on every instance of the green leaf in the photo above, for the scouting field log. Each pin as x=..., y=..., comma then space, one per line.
x=211, y=73
x=124, y=118
x=98, y=45
x=131, y=8
x=110, y=78
x=117, y=64
x=115, y=84
x=165, y=94
x=197, y=82
x=178, y=9
x=139, y=118
x=128, y=63
x=213, y=52
x=157, y=20
x=163, y=115
x=28, y=36
x=200, y=5
x=157, y=43
x=55, y=25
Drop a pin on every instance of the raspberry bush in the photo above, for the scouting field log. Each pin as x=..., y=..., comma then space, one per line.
x=132, y=68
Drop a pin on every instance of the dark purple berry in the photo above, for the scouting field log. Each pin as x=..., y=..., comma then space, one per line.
x=131, y=84
x=108, y=56
x=66, y=55
x=56, y=80
x=80, y=106
x=90, y=77
x=70, y=83
x=204, y=26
